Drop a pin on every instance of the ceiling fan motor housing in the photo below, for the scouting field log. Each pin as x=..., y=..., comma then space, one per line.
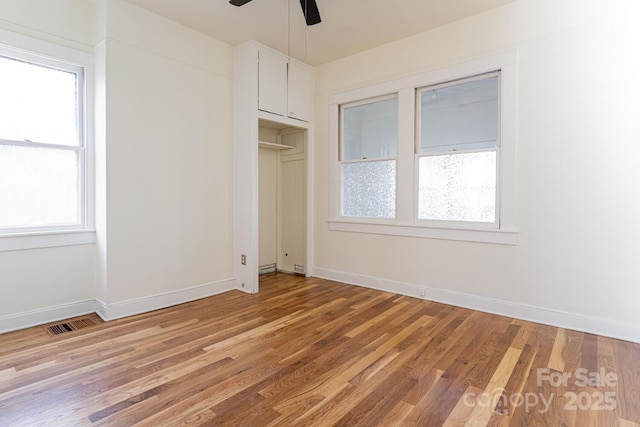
x=309, y=10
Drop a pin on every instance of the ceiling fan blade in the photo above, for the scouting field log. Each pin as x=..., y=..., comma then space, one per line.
x=310, y=10
x=239, y=2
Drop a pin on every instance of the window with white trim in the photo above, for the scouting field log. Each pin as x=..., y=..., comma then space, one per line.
x=430, y=155
x=457, y=150
x=42, y=144
x=368, y=158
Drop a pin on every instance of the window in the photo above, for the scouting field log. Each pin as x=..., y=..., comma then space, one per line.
x=43, y=146
x=431, y=155
x=457, y=151
x=368, y=158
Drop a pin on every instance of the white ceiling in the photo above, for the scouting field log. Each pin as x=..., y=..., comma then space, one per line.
x=347, y=27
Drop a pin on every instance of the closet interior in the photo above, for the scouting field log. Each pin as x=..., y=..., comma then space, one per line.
x=281, y=198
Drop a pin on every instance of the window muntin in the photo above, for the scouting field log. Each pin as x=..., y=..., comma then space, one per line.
x=458, y=152
x=42, y=150
x=369, y=147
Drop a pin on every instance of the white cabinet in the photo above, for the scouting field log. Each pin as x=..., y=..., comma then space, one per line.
x=285, y=85
x=300, y=91
x=272, y=82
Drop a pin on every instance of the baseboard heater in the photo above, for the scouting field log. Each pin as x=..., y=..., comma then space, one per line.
x=267, y=268
x=271, y=268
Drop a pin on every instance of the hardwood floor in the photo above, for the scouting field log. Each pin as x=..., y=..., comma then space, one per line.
x=308, y=352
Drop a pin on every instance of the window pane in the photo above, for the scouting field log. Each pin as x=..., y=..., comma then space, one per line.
x=370, y=131
x=462, y=116
x=38, y=186
x=369, y=189
x=458, y=187
x=37, y=104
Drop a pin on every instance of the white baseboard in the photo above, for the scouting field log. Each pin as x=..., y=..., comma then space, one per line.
x=26, y=319
x=154, y=302
x=113, y=311
x=595, y=325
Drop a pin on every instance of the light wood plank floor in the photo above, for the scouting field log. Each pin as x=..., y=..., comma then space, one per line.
x=308, y=352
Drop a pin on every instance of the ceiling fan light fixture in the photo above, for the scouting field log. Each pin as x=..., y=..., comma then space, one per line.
x=309, y=9
x=310, y=12
x=239, y=2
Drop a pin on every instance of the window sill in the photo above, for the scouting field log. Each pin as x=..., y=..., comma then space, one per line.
x=38, y=240
x=500, y=237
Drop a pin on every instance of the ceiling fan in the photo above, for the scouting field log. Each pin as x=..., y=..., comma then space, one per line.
x=309, y=9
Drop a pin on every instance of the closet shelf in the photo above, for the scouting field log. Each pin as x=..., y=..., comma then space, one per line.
x=273, y=146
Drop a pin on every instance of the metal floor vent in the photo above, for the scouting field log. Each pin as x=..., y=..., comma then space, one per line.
x=74, y=325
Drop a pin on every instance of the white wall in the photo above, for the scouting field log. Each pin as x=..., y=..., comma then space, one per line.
x=575, y=263
x=267, y=206
x=167, y=232
x=164, y=144
x=67, y=22
x=35, y=283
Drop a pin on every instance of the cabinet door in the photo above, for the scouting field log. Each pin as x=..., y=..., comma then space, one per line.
x=300, y=95
x=272, y=82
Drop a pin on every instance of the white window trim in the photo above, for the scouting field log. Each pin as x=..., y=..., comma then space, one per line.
x=406, y=223
x=22, y=241
x=11, y=240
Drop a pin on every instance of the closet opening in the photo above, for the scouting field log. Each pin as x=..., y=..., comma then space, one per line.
x=282, y=198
